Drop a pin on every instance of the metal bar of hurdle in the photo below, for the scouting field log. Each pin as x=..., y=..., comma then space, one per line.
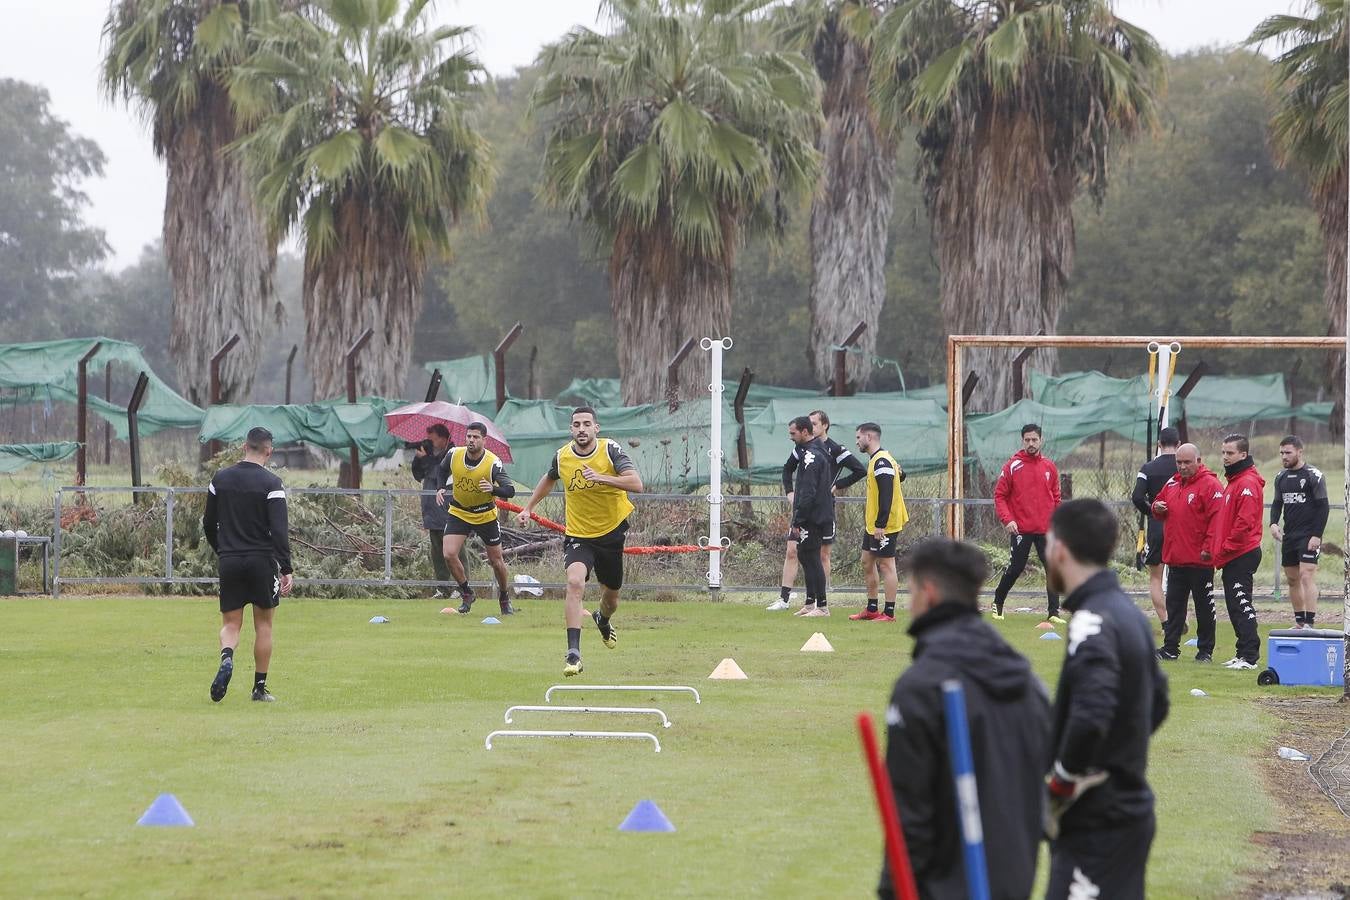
x=634, y=710
x=665, y=688
x=637, y=735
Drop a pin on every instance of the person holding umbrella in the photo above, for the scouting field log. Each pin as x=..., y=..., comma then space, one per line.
x=425, y=465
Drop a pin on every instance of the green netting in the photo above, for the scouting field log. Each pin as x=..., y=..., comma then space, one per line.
x=14, y=457
x=469, y=381
x=330, y=424
x=915, y=431
x=992, y=438
x=608, y=392
x=48, y=372
x=1216, y=400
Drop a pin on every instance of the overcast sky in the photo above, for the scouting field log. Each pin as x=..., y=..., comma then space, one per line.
x=56, y=43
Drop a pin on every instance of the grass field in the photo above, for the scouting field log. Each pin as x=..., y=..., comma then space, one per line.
x=369, y=775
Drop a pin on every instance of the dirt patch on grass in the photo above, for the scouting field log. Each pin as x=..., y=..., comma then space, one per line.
x=1309, y=856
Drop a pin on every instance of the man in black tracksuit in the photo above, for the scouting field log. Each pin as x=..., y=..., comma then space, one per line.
x=1008, y=712
x=1152, y=476
x=426, y=469
x=812, y=511
x=1301, y=496
x=1111, y=698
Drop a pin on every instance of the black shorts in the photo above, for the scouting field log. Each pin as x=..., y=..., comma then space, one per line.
x=249, y=579
x=602, y=555
x=1153, y=541
x=884, y=548
x=1294, y=551
x=823, y=534
x=489, y=532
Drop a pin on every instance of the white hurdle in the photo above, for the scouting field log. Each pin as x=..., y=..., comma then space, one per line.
x=636, y=710
x=662, y=688
x=638, y=735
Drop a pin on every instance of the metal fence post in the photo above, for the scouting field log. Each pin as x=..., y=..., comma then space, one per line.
x=168, y=535
x=388, y=536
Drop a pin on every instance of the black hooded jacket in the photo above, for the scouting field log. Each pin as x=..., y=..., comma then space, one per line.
x=812, y=502
x=1008, y=712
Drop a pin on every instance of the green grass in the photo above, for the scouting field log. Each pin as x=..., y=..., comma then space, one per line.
x=369, y=776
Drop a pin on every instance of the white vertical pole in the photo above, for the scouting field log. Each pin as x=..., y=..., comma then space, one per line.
x=714, y=540
x=1164, y=385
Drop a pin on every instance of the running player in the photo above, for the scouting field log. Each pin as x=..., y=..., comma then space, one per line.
x=885, y=516
x=597, y=477
x=1301, y=495
x=245, y=524
x=475, y=478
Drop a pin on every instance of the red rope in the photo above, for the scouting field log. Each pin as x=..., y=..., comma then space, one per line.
x=633, y=551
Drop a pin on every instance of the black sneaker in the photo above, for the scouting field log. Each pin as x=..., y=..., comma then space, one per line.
x=222, y=681
x=507, y=608
x=466, y=602
x=607, y=632
x=1167, y=654
x=1203, y=658
x=261, y=694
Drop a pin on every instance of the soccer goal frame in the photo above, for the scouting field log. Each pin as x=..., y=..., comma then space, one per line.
x=956, y=376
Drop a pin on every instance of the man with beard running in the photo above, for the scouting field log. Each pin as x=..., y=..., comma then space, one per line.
x=1026, y=494
x=1188, y=503
x=1301, y=496
x=1237, y=545
x=1111, y=697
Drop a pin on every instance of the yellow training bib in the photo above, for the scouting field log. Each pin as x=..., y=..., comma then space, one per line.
x=469, y=502
x=898, y=515
x=593, y=509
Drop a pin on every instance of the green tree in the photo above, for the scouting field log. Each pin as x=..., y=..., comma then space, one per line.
x=365, y=141
x=43, y=240
x=172, y=59
x=1017, y=107
x=674, y=140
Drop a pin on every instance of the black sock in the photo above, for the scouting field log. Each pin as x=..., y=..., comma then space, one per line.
x=226, y=653
x=574, y=642
x=260, y=680
x=821, y=603
x=1310, y=618
x=1299, y=617
x=890, y=608
x=784, y=593
x=604, y=620
x=871, y=604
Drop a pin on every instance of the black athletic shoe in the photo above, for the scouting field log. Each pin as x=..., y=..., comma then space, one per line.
x=466, y=601
x=607, y=632
x=1203, y=658
x=222, y=682
x=1167, y=654
x=261, y=694
x=507, y=608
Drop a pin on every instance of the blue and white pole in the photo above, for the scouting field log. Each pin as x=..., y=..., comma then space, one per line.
x=967, y=796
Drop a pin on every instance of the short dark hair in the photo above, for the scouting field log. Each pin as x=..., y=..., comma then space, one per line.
x=1169, y=437
x=1029, y=427
x=1240, y=440
x=1292, y=440
x=478, y=427
x=803, y=423
x=958, y=569
x=871, y=428
x=439, y=430
x=823, y=416
x=1088, y=528
x=585, y=409
x=257, y=438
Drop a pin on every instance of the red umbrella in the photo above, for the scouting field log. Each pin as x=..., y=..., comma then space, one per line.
x=412, y=421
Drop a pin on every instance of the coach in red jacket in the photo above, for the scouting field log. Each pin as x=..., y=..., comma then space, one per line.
x=1236, y=545
x=1189, y=501
x=1026, y=494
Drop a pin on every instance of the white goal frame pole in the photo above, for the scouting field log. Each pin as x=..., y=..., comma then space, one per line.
x=714, y=542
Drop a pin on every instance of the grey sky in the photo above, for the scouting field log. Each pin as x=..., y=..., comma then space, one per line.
x=56, y=43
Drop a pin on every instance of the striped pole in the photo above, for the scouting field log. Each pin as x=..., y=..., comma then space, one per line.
x=967, y=796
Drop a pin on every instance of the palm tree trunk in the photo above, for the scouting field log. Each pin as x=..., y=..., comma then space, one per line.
x=370, y=280
x=1330, y=199
x=220, y=255
x=850, y=217
x=1004, y=226
x=661, y=297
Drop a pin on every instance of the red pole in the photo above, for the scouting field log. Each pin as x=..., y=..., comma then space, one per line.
x=897, y=854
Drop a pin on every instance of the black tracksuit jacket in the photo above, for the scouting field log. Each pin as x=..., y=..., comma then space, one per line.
x=812, y=502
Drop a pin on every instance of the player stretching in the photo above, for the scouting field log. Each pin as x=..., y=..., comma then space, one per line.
x=885, y=516
x=475, y=477
x=597, y=477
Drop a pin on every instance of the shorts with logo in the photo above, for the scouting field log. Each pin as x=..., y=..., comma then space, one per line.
x=249, y=579
x=824, y=533
x=1153, y=543
x=884, y=548
x=489, y=532
x=602, y=555
x=1295, y=550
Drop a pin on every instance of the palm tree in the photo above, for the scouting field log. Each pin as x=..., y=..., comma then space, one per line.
x=1017, y=104
x=171, y=59
x=674, y=140
x=851, y=210
x=363, y=139
x=1309, y=133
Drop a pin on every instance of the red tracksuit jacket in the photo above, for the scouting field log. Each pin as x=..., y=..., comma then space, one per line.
x=1192, y=509
x=1238, y=524
x=1027, y=492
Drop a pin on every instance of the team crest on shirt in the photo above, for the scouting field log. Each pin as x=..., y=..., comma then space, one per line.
x=1190, y=497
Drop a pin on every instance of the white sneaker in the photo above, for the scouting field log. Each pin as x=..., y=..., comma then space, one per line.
x=777, y=605
x=437, y=595
x=1232, y=662
x=808, y=608
x=1242, y=664
x=816, y=611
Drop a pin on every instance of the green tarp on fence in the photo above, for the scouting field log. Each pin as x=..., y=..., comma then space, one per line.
x=14, y=457
x=329, y=424
x=469, y=381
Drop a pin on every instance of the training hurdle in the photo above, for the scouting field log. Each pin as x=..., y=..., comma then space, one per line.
x=636, y=710
x=666, y=688
x=637, y=735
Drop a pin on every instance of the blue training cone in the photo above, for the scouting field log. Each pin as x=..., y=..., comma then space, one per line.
x=646, y=816
x=166, y=811
x=1051, y=636
x=379, y=620
x=492, y=620
x=1193, y=642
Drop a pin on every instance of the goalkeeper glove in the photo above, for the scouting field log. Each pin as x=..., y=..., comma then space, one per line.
x=1063, y=790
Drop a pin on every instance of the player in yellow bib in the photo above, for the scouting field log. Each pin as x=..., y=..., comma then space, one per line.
x=885, y=516
x=596, y=476
x=474, y=478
